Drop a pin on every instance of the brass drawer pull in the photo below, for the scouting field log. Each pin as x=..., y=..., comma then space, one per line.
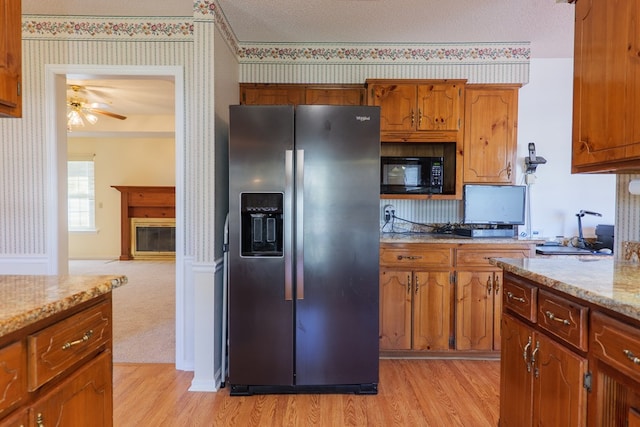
x=84, y=338
x=632, y=357
x=525, y=354
x=510, y=295
x=401, y=257
x=39, y=420
x=552, y=316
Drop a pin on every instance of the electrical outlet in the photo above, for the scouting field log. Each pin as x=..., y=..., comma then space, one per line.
x=387, y=212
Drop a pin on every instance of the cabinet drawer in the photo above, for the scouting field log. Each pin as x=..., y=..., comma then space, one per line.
x=520, y=298
x=409, y=258
x=480, y=257
x=616, y=343
x=13, y=376
x=60, y=346
x=563, y=318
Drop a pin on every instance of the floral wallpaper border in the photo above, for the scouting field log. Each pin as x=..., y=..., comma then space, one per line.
x=37, y=27
x=106, y=28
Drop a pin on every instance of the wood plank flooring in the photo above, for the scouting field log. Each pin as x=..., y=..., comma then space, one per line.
x=410, y=393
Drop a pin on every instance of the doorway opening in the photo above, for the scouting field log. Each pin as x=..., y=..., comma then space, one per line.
x=57, y=87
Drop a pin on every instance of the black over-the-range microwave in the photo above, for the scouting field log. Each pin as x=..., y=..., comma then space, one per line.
x=411, y=175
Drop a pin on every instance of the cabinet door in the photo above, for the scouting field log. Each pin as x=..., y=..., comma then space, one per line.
x=606, y=102
x=474, y=310
x=432, y=308
x=397, y=104
x=395, y=310
x=19, y=418
x=84, y=399
x=13, y=376
x=490, y=134
x=516, y=404
x=334, y=96
x=558, y=393
x=10, y=58
x=439, y=107
x=272, y=95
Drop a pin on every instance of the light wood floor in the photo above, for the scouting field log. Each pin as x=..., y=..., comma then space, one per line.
x=410, y=393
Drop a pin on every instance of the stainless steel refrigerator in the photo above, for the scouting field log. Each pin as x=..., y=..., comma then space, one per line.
x=304, y=190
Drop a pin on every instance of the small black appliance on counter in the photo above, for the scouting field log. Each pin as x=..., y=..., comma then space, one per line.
x=604, y=236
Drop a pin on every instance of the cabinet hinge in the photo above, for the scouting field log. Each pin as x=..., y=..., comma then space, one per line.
x=586, y=383
x=19, y=89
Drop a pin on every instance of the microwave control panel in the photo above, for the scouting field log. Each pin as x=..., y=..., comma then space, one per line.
x=436, y=174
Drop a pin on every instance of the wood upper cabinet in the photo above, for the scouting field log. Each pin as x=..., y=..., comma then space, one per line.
x=415, y=110
x=298, y=94
x=10, y=58
x=271, y=94
x=334, y=96
x=490, y=125
x=606, y=95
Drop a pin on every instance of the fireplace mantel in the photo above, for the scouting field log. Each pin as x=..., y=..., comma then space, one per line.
x=142, y=202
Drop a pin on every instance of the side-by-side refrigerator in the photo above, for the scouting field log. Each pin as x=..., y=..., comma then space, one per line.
x=304, y=190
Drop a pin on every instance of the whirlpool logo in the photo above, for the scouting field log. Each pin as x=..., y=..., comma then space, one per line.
x=363, y=118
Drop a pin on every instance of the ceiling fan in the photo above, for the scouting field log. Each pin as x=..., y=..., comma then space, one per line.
x=81, y=111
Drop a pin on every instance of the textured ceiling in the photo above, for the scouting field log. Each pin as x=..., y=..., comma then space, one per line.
x=547, y=24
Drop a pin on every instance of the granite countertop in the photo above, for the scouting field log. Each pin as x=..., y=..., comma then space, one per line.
x=605, y=282
x=27, y=299
x=449, y=238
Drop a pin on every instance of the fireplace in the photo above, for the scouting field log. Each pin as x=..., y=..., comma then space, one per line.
x=155, y=207
x=153, y=238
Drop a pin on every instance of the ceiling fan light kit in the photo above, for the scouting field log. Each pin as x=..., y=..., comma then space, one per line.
x=80, y=111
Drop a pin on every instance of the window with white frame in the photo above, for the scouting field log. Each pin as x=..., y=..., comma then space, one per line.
x=81, y=193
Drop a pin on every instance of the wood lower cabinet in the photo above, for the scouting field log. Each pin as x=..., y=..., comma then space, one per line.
x=415, y=303
x=10, y=58
x=83, y=399
x=479, y=294
x=478, y=308
x=490, y=143
x=606, y=94
x=442, y=297
x=414, y=310
x=541, y=381
x=58, y=372
x=615, y=366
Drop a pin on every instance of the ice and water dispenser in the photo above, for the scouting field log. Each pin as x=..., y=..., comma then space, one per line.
x=261, y=224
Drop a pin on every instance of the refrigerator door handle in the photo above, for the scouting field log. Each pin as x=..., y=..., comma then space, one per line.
x=299, y=224
x=288, y=225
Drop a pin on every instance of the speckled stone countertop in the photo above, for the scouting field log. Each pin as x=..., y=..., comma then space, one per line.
x=448, y=238
x=27, y=299
x=601, y=281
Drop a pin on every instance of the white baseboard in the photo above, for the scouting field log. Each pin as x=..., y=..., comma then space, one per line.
x=24, y=264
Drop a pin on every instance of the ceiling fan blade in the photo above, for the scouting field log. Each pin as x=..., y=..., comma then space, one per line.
x=106, y=113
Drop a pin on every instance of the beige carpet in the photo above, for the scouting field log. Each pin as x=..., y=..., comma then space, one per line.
x=143, y=309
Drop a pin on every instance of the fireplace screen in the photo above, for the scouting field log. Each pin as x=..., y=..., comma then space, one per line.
x=153, y=238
